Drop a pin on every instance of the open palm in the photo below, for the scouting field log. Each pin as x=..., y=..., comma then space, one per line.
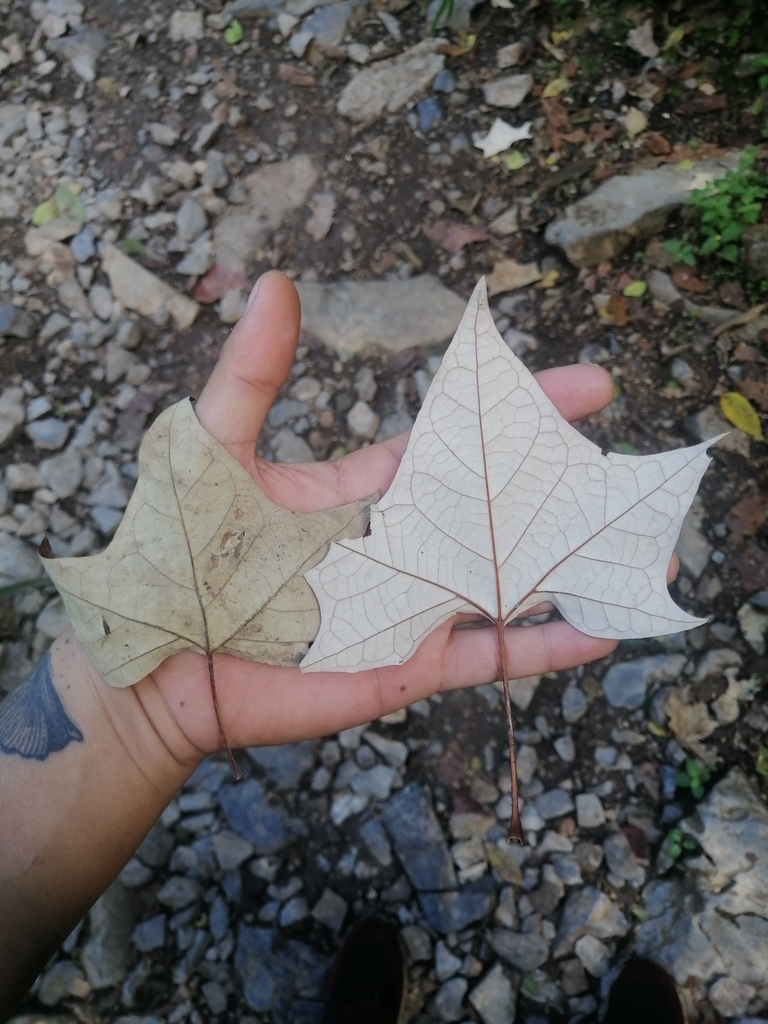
x=262, y=704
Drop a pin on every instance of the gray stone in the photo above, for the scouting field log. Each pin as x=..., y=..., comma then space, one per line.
x=554, y=804
x=374, y=784
x=622, y=863
x=135, y=875
x=394, y=424
x=594, y=955
x=106, y=955
x=61, y=980
x=574, y=704
x=285, y=411
x=393, y=751
x=525, y=951
x=380, y=316
x=18, y=561
x=273, y=192
x=374, y=837
x=589, y=811
x=82, y=49
x=628, y=207
x=754, y=252
x=565, y=748
x=215, y=996
x=418, y=839
x=218, y=917
x=330, y=910
x=450, y=912
x=363, y=421
x=186, y=26
x=711, y=922
x=191, y=221
x=53, y=619
x=12, y=414
x=231, y=850
x=287, y=764
x=150, y=934
x=290, y=449
x=389, y=84
x=706, y=424
x=417, y=942
x=692, y=548
x=49, y=434
x=753, y=625
x=508, y=92
x=157, y=846
x=625, y=685
x=715, y=662
x=660, y=286
x=328, y=24
x=449, y=999
x=494, y=997
x=38, y=407
x=163, y=134
x=279, y=974
x=588, y=912
x=107, y=519
x=139, y=289
x=215, y=175
x=63, y=473
x=295, y=910
x=249, y=813
x=101, y=302
x=179, y=892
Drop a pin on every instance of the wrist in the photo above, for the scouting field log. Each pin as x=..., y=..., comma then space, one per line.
x=133, y=724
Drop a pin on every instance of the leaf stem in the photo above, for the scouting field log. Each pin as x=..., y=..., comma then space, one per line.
x=515, y=831
x=237, y=772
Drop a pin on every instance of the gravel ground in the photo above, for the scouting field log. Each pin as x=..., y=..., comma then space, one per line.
x=340, y=144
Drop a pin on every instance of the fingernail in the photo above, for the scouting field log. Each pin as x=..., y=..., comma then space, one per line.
x=252, y=296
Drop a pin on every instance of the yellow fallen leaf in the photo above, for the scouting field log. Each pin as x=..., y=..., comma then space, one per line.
x=684, y=165
x=562, y=36
x=44, y=212
x=555, y=88
x=515, y=160
x=738, y=411
x=509, y=275
x=549, y=279
x=635, y=289
x=675, y=37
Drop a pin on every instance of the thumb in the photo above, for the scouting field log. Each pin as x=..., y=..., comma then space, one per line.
x=253, y=365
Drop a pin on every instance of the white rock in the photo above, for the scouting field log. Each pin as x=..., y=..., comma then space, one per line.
x=508, y=92
x=141, y=290
x=594, y=955
x=186, y=26
x=589, y=811
x=390, y=84
x=363, y=421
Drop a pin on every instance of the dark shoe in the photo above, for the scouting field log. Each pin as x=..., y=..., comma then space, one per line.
x=643, y=993
x=367, y=983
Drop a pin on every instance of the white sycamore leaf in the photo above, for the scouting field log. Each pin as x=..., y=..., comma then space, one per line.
x=498, y=505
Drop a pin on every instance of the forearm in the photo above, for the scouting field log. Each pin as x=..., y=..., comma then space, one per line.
x=85, y=770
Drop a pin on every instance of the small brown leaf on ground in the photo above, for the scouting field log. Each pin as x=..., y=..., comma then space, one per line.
x=600, y=133
x=744, y=353
x=292, y=76
x=756, y=391
x=617, y=309
x=703, y=104
x=575, y=138
x=732, y=294
x=218, y=281
x=747, y=516
x=752, y=564
x=657, y=144
x=452, y=235
x=638, y=841
x=687, y=281
x=691, y=724
x=130, y=422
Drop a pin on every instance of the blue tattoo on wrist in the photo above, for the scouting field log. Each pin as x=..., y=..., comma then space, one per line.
x=33, y=722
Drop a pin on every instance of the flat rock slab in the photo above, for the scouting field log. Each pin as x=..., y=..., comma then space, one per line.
x=625, y=685
x=139, y=289
x=273, y=192
x=709, y=925
x=627, y=207
x=249, y=813
x=278, y=975
x=389, y=84
x=418, y=839
x=380, y=316
x=451, y=912
x=285, y=764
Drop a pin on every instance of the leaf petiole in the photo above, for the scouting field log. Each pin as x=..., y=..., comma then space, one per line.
x=515, y=831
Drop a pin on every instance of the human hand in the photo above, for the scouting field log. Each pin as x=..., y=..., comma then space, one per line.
x=262, y=704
